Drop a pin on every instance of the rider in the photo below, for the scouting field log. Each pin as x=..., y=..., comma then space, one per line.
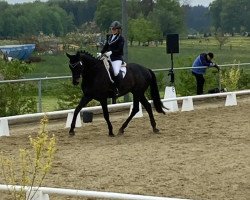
x=115, y=43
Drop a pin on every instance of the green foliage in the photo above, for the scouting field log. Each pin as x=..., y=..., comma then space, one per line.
x=230, y=78
x=106, y=12
x=168, y=15
x=70, y=96
x=15, y=97
x=31, y=167
x=244, y=81
x=231, y=15
x=31, y=18
x=186, y=83
x=142, y=31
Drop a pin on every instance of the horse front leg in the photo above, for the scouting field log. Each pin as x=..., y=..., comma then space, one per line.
x=104, y=105
x=132, y=114
x=83, y=102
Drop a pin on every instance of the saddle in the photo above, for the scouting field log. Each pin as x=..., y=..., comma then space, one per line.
x=107, y=63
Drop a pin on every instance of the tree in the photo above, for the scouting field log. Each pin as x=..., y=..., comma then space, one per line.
x=106, y=12
x=168, y=15
x=142, y=31
x=31, y=18
x=147, y=6
x=197, y=18
x=230, y=15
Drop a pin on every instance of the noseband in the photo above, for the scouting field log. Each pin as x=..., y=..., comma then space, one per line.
x=75, y=64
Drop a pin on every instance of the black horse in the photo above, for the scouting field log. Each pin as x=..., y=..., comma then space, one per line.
x=96, y=84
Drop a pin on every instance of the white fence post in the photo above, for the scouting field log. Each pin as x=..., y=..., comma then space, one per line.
x=4, y=127
x=231, y=100
x=69, y=120
x=170, y=93
x=187, y=104
x=36, y=195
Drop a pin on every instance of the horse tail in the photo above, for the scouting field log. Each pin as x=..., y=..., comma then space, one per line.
x=155, y=95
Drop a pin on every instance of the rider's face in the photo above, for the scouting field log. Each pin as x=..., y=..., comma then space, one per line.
x=208, y=58
x=114, y=30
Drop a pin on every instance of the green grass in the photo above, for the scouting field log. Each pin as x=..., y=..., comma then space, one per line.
x=235, y=50
x=157, y=58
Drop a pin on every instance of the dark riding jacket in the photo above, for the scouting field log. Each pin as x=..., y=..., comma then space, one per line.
x=116, y=46
x=201, y=61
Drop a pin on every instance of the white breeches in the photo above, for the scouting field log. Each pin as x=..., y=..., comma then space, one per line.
x=116, y=66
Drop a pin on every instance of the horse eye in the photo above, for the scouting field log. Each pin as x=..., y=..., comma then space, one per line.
x=80, y=62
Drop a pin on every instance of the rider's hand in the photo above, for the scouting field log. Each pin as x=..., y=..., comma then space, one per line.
x=98, y=55
x=216, y=66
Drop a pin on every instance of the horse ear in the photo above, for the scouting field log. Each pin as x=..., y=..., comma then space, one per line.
x=68, y=55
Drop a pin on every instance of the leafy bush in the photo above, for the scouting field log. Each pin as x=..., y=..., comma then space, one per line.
x=15, y=97
x=70, y=97
x=31, y=166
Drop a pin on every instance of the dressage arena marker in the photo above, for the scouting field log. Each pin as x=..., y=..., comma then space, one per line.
x=42, y=193
x=170, y=94
x=231, y=100
x=139, y=113
x=69, y=120
x=4, y=127
x=187, y=104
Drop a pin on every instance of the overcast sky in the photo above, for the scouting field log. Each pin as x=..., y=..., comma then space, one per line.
x=191, y=2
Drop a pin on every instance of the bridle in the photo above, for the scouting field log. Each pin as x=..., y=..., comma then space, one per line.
x=75, y=64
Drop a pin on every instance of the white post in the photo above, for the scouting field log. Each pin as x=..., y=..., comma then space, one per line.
x=69, y=120
x=231, y=100
x=4, y=127
x=139, y=113
x=187, y=104
x=171, y=105
x=36, y=195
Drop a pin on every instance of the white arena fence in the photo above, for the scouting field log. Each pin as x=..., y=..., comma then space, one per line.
x=42, y=193
x=169, y=101
x=39, y=80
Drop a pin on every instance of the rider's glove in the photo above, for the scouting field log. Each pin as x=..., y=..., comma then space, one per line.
x=98, y=55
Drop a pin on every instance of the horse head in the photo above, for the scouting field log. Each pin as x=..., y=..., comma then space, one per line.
x=76, y=67
x=79, y=63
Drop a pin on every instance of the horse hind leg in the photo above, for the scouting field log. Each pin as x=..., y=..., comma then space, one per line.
x=148, y=108
x=132, y=114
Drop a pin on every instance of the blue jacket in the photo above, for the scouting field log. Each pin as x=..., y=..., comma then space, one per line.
x=116, y=46
x=201, y=61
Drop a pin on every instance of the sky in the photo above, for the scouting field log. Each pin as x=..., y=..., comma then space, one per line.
x=190, y=2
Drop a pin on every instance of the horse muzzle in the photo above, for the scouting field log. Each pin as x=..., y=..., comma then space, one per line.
x=76, y=81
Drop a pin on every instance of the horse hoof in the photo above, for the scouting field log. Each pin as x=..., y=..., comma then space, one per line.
x=121, y=132
x=71, y=133
x=111, y=135
x=156, y=130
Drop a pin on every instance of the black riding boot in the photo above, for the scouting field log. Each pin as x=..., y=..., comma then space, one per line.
x=117, y=80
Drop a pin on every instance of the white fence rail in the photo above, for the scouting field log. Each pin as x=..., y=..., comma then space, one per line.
x=39, y=80
x=187, y=105
x=42, y=193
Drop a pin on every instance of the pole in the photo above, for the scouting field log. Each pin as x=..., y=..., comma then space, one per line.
x=125, y=35
x=40, y=96
x=171, y=70
x=125, y=28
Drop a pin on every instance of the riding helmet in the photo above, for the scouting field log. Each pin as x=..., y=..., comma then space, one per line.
x=116, y=24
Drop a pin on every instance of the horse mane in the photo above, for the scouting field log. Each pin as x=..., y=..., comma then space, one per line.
x=85, y=53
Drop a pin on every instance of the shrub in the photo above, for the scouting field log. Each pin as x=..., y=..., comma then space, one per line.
x=31, y=167
x=230, y=78
x=15, y=97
